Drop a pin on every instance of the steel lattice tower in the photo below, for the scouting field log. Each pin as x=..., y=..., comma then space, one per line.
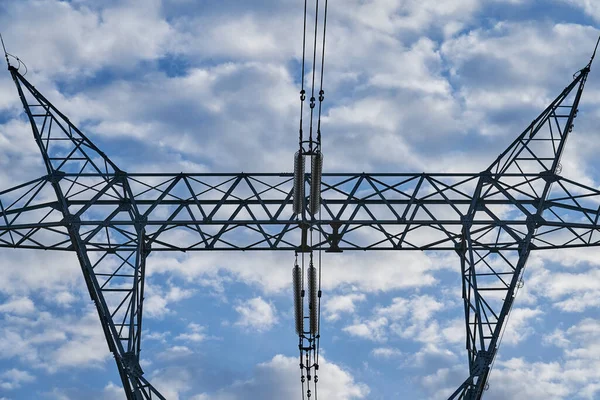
x=112, y=220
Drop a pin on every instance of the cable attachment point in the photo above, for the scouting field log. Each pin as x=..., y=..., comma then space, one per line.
x=7, y=55
x=302, y=95
x=321, y=95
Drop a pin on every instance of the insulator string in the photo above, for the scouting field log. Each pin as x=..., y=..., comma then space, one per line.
x=311, y=269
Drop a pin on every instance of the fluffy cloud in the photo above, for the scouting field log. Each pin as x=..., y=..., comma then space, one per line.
x=54, y=342
x=278, y=378
x=386, y=352
x=158, y=299
x=195, y=334
x=89, y=39
x=413, y=85
x=256, y=314
x=373, y=329
x=519, y=326
x=14, y=378
x=336, y=305
x=18, y=305
x=574, y=376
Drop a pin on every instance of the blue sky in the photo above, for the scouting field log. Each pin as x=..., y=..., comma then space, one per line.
x=200, y=86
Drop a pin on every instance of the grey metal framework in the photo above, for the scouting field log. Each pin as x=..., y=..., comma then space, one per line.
x=113, y=220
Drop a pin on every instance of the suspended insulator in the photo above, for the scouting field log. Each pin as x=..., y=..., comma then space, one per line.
x=298, y=183
x=312, y=299
x=298, y=305
x=316, y=173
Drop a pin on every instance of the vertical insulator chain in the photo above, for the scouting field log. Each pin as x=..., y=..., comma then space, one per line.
x=298, y=299
x=313, y=299
x=309, y=147
x=316, y=173
x=299, y=170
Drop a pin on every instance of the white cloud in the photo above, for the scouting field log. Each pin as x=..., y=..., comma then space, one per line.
x=160, y=336
x=113, y=391
x=157, y=300
x=195, y=334
x=569, y=291
x=256, y=314
x=374, y=329
x=430, y=352
x=85, y=346
x=408, y=318
x=398, y=100
x=519, y=326
x=336, y=305
x=386, y=352
x=18, y=305
x=590, y=7
x=14, y=378
x=342, y=271
x=119, y=36
x=279, y=378
x=174, y=353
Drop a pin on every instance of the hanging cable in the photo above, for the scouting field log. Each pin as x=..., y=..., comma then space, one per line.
x=307, y=276
x=302, y=91
x=314, y=66
x=321, y=92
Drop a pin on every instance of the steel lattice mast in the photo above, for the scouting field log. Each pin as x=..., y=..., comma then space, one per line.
x=113, y=220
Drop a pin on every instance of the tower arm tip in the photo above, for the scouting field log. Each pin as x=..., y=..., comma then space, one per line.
x=5, y=53
x=589, y=66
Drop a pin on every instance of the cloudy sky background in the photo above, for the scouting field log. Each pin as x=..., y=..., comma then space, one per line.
x=200, y=86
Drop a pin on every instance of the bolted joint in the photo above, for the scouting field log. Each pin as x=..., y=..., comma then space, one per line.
x=461, y=248
x=304, y=246
x=534, y=221
x=334, y=238
x=482, y=362
x=486, y=176
x=466, y=221
x=131, y=364
x=147, y=248
x=480, y=205
x=140, y=221
x=125, y=204
x=120, y=175
x=56, y=176
x=71, y=219
x=549, y=176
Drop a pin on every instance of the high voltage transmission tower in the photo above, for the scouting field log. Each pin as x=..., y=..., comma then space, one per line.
x=113, y=220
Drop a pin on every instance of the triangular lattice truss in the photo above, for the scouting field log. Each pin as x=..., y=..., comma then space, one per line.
x=112, y=220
